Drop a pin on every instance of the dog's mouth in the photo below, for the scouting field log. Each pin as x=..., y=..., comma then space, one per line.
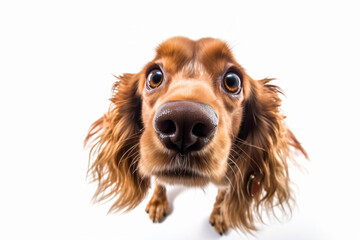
x=180, y=173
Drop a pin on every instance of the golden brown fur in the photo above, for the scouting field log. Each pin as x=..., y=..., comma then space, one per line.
x=251, y=137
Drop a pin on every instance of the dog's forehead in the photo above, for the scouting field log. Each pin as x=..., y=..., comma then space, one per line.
x=210, y=49
x=182, y=53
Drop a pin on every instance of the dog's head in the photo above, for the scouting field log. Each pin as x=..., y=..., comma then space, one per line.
x=192, y=94
x=193, y=116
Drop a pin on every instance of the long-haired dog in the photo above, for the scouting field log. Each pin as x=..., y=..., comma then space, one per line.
x=192, y=116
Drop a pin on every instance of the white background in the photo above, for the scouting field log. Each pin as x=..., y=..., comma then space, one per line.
x=56, y=64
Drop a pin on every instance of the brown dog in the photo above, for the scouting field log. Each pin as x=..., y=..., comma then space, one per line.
x=192, y=116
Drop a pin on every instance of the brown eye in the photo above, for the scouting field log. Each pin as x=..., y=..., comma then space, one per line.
x=232, y=83
x=154, y=78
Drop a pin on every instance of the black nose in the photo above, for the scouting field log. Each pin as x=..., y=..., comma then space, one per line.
x=185, y=126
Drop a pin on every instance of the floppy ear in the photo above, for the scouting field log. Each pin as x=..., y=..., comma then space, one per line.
x=263, y=151
x=115, y=138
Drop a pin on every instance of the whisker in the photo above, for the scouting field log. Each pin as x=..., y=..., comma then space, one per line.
x=135, y=161
x=130, y=149
x=250, y=158
x=96, y=148
x=132, y=154
x=235, y=175
x=237, y=139
x=241, y=174
x=232, y=186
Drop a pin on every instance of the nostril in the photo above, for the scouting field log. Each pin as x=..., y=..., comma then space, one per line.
x=166, y=127
x=200, y=130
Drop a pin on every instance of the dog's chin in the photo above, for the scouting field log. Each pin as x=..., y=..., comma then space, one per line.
x=182, y=176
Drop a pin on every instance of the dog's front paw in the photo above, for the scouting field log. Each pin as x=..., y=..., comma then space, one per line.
x=157, y=209
x=218, y=221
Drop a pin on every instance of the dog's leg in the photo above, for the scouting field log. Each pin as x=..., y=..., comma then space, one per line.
x=217, y=217
x=158, y=207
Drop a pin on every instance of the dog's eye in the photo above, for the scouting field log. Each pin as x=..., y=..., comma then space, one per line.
x=154, y=78
x=232, y=83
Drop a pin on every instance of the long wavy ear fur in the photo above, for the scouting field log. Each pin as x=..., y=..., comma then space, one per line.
x=115, y=148
x=263, y=149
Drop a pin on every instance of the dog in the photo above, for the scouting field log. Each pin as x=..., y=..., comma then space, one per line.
x=192, y=116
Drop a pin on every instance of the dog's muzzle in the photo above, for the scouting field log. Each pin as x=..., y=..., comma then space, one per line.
x=185, y=126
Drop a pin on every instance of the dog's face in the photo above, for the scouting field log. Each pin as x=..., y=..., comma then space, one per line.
x=191, y=111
